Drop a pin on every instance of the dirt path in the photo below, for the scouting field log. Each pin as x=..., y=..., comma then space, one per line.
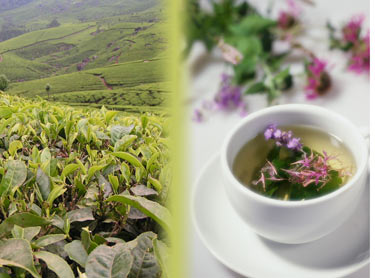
x=1, y=58
x=109, y=87
x=118, y=58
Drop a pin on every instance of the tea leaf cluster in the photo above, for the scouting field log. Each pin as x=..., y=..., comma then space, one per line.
x=82, y=191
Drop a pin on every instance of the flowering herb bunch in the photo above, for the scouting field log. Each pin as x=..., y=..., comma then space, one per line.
x=295, y=172
x=246, y=40
x=352, y=39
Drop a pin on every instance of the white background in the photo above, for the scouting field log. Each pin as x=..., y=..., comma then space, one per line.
x=349, y=97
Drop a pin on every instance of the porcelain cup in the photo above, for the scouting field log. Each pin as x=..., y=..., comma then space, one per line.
x=295, y=222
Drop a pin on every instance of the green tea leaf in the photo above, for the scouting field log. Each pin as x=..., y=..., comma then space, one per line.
x=56, y=264
x=145, y=264
x=44, y=183
x=80, y=215
x=5, y=112
x=162, y=255
x=17, y=252
x=15, y=176
x=31, y=232
x=55, y=193
x=117, y=132
x=49, y=239
x=152, y=209
x=14, y=146
x=76, y=252
x=106, y=261
x=109, y=115
x=23, y=219
x=69, y=169
x=129, y=158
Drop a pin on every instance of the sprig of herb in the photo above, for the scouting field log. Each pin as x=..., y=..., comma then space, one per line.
x=295, y=172
x=350, y=39
x=246, y=39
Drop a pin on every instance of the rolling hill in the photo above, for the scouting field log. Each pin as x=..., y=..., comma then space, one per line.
x=114, y=57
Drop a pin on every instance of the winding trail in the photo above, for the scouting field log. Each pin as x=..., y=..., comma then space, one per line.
x=1, y=58
x=109, y=87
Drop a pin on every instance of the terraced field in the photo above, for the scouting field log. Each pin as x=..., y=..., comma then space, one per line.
x=114, y=60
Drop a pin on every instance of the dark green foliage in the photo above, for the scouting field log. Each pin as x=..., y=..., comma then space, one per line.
x=4, y=82
x=53, y=23
x=243, y=27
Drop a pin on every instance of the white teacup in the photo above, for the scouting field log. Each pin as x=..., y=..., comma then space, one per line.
x=295, y=221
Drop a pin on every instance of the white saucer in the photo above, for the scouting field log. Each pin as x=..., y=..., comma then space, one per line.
x=234, y=244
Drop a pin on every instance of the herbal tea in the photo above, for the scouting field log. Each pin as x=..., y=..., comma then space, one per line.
x=294, y=163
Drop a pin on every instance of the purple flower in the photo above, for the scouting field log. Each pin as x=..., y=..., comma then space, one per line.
x=294, y=143
x=197, y=116
x=229, y=96
x=282, y=138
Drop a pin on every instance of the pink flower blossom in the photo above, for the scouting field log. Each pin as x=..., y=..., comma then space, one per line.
x=352, y=29
x=230, y=53
x=360, y=59
x=289, y=18
x=318, y=80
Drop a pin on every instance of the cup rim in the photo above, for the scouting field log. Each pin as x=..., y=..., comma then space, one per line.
x=294, y=203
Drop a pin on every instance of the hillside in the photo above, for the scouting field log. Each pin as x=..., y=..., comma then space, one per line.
x=113, y=59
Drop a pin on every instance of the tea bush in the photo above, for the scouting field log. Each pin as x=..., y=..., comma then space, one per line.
x=82, y=192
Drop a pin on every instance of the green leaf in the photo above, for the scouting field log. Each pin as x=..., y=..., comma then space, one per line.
x=14, y=146
x=114, y=182
x=117, y=132
x=49, y=239
x=15, y=176
x=45, y=155
x=156, y=184
x=5, y=112
x=129, y=158
x=105, y=261
x=17, y=252
x=31, y=232
x=142, y=190
x=109, y=115
x=76, y=252
x=80, y=215
x=23, y=219
x=55, y=193
x=152, y=209
x=56, y=264
x=145, y=264
x=252, y=24
x=69, y=169
x=124, y=142
x=87, y=241
x=93, y=170
x=256, y=88
x=44, y=183
x=162, y=252
x=18, y=232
